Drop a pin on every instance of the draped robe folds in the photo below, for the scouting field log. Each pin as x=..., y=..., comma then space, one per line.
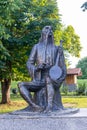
x=46, y=53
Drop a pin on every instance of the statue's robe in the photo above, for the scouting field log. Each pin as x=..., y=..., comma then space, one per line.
x=46, y=53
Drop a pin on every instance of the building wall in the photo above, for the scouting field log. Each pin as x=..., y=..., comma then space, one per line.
x=75, y=79
x=71, y=79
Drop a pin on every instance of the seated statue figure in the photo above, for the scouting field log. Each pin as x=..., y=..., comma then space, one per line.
x=47, y=69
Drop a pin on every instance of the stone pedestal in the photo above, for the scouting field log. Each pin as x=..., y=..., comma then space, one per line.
x=52, y=121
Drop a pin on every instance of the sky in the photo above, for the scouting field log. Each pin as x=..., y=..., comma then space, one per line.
x=72, y=14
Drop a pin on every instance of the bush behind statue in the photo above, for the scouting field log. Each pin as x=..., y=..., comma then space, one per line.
x=81, y=89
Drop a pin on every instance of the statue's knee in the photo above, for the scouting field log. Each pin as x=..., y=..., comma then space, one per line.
x=20, y=84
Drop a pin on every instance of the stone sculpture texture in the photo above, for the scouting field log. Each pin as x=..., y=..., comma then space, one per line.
x=47, y=69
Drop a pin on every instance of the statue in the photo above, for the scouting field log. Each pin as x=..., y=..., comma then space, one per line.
x=47, y=69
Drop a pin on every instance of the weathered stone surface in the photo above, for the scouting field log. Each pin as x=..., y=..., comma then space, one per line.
x=77, y=121
x=53, y=114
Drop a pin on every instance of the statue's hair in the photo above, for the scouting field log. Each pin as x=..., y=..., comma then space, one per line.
x=43, y=38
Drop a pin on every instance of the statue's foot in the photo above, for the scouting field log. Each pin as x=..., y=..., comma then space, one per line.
x=37, y=108
x=48, y=109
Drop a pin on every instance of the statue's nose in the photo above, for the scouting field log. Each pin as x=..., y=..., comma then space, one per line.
x=50, y=31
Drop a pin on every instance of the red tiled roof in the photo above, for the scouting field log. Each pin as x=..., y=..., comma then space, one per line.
x=74, y=71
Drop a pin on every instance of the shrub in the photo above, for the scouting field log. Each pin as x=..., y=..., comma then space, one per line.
x=15, y=91
x=64, y=89
x=81, y=89
x=86, y=91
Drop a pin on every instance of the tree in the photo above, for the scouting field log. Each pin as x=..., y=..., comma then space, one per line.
x=83, y=65
x=71, y=41
x=84, y=6
x=10, y=41
x=7, y=7
x=4, y=58
x=20, y=25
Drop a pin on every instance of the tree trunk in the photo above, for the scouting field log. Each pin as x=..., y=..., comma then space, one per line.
x=5, y=88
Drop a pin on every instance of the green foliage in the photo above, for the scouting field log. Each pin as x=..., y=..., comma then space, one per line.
x=84, y=6
x=81, y=89
x=83, y=82
x=5, y=58
x=85, y=91
x=64, y=89
x=71, y=41
x=7, y=8
x=21, y=25
x=82, y=63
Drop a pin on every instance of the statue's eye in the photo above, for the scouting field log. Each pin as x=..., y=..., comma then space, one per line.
x=47, y=27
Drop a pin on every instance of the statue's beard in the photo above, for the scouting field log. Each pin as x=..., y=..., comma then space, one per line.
x=48, y=39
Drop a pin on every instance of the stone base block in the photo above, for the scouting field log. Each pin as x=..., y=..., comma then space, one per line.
x=24, y=121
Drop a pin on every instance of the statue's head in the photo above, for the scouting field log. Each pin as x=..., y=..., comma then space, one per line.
x=47, y=31
x=47, y=34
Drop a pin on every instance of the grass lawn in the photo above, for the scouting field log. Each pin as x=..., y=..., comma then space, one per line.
x=78, y=102
x=82, y=81
x=18, y=103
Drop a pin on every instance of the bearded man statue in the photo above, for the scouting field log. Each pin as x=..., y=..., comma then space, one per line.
x=46, y=78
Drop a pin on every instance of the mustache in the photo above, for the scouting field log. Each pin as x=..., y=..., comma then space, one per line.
x=48, y=39
x=48, y=35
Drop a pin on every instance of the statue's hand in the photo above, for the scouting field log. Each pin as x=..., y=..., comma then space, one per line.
x=48, y=66
x=40, y=67
x=43, y=66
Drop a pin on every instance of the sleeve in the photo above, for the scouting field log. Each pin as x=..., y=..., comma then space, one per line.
x=31, y=61
x=62, y=63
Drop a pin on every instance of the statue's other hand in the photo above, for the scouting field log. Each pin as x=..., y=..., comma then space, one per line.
x=47, y=66
x=39, y=67
x=43, y=66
